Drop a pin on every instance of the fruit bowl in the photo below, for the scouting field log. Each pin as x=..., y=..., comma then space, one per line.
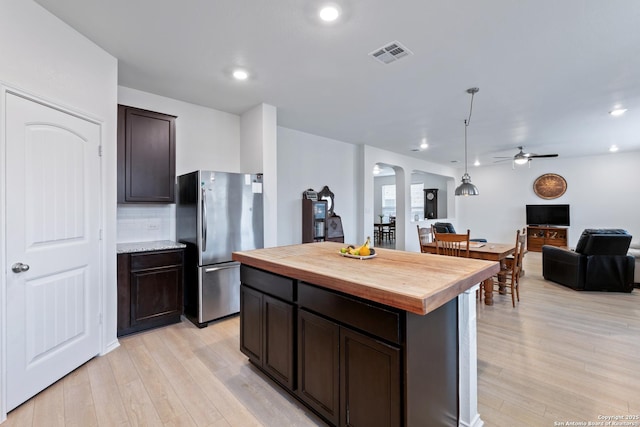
x=358, y=256
x=354, y=252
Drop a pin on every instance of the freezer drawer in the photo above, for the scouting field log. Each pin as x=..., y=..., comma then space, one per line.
x=219, y=288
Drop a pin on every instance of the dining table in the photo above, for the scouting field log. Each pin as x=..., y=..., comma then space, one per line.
x=487, y=251
x=379, y=227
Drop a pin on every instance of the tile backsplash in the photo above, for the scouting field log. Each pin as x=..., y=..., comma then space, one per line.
x=137, y=223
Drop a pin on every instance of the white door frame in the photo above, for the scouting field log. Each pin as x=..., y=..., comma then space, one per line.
x=4, y=89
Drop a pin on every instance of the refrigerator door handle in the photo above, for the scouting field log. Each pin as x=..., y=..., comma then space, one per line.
x=223, y=267
x=204, y=220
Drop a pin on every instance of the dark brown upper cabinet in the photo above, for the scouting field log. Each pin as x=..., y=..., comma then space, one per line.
x=146, y=156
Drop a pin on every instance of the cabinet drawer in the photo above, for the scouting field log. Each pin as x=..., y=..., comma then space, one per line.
x=381, y=322
x=155, y=259
x=269, y=283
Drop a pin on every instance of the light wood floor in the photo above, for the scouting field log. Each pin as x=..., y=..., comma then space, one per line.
x=559, y=356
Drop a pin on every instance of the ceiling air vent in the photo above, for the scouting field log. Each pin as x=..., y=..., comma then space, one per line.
x=391, y=52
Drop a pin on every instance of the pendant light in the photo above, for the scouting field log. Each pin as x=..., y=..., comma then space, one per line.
x=467, y=188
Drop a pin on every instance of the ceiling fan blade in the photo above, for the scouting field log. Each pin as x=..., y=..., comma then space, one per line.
x=503, y=157
x=542, y=155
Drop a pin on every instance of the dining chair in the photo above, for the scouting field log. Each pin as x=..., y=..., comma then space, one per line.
x=424, y=237
x=389, y=230
x=509, y=260
x=452, y=244
x=512, y=275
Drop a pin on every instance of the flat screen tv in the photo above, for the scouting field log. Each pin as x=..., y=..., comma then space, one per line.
x=548, y=215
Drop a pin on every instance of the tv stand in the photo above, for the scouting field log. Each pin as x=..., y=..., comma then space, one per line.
x=539, y=235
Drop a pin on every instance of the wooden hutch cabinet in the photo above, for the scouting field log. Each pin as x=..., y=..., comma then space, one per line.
x=314, y=217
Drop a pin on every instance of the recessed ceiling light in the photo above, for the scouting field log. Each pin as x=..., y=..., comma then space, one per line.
x=240, y=75
x=613, y=148
x=329, y=13
x=476, y=163
x=618, y=111
x=424, y=144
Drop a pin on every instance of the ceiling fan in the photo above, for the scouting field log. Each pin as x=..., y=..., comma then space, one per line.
x=521, y=158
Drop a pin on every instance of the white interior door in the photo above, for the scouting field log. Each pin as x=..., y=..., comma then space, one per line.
x=53, y=232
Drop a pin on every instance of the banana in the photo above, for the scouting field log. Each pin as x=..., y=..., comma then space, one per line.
x=365, y=249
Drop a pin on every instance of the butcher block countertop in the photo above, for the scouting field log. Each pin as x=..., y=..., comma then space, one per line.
x=416, y=282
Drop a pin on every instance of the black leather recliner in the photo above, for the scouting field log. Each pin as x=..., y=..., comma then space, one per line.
x=599, y=262
x=447, y=227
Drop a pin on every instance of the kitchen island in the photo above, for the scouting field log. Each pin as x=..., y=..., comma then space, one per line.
x=386, y=341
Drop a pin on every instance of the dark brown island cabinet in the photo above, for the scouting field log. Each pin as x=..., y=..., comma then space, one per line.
x=346, y=358
x=382, y=342
x=149, y=289
x=146, y=156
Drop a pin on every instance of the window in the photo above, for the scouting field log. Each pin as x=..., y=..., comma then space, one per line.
x=417, y=202
x=389, y=201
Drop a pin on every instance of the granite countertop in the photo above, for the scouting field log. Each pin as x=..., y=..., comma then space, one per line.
x=156, y=245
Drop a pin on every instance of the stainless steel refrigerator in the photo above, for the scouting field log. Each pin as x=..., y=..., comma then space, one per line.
x=217, y=213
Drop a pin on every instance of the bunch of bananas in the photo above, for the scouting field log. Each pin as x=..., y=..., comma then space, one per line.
x=364, y=250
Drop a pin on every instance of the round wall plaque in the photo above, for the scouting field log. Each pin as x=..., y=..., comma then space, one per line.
x=549, y=186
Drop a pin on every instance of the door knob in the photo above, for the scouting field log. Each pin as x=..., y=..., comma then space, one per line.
x=19, y=267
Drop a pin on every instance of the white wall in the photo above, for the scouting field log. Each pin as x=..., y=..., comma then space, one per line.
x=600, y=191
x=258, y=154
x=205, y=138
x=251, y=136
x=406, y=231
x=310, y=161
x=429, y=180
x=43, y=56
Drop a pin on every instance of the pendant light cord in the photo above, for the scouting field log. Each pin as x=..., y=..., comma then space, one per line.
x=472, y=91
x=468, y=121
x=466, y=124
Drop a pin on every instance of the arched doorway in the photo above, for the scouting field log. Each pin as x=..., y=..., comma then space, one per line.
x=384, y=205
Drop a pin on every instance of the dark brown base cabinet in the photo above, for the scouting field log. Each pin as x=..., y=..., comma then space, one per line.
x=266, y=327
x=149, y=290
x=368, y=371
x=318, y=365
x=353, y=362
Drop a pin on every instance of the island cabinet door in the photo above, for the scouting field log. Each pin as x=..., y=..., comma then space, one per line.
x=278, y=351
x=251, y=330
x=370, y=382
x=318, y=364
x=267, y=334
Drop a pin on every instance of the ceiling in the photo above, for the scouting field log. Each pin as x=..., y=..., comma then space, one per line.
x=548, y=71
